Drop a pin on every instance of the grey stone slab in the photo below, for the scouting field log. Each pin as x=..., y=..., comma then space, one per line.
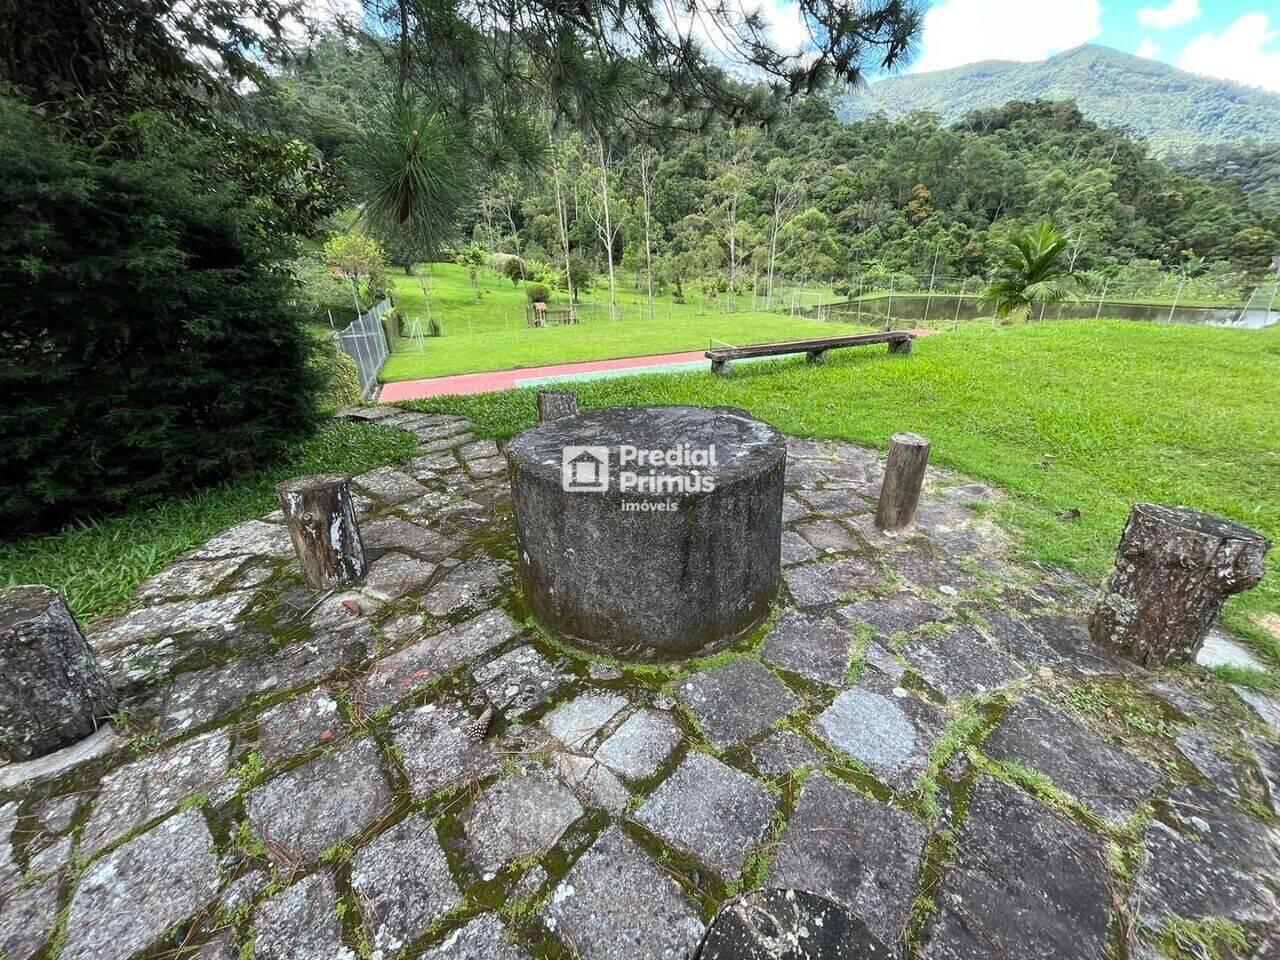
x=305, y=811
x=591, y=781
x=831, y=581
x=55, y=814
x=793, y=509
x=479, y=450
x=835, y=503
x=251, y=538
x=394, y=575
x=899, y=612
x=1105, y=778
x=1265, y=708
x=796, y=549
x=393, y=533
x=921, y=568
x=737, y=701
x=403, y=881
x=1268, y=755
x=487, y=467
x=884, y=661
x=1027, y=882
x=782, y=752
x=1194, y=880
x=829, y=536
x=520, y=680
x=641, y=745
x=711, y=812
x=961, y=663
x=164, y=620
x=887, y=730
x=28, y=914
x=617, y=904
x=188, y=579
x=470, y=586
x=1015, y=635
x=298, y=725
x=813, y=647
x=141, y=791
x=131, y=897
x=859, y=852
x=301, y=923
x=1203, y=750
x=791, y=924
x=436, y=751
x=577, y=721
x=389, y=484
x=105, y=742
x=969, y=493
x=1220, y=649
x=1207, y=817
x=519, y=816
x=397, y=675
x=1181, y=699
x=484, y=938
x=1067, y=635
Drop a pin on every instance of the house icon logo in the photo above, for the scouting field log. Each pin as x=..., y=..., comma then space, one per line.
x=584, y=469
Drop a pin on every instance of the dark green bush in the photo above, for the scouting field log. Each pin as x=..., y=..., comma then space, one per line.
x=151, y=338
x=538, y=292
x=342, y=378
x=434, y=328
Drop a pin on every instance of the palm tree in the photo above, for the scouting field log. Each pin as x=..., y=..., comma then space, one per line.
x=1033, y=271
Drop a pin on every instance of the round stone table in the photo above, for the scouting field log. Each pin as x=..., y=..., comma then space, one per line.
x=649, y=533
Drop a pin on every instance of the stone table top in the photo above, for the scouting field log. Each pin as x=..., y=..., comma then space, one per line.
x=407, y=770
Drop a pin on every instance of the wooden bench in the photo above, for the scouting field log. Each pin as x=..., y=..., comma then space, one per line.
x=815, y=351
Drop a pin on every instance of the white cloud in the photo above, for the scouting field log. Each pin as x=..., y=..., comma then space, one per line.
x=1173, y=14
x=787, y=24
x=1148, y=48
x=962, y=31
x=1238, y=53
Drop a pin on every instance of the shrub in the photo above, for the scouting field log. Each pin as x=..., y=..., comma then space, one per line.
x=434, y=328
x=513, y=270
x=391, y=324
x=341, y=377
x=538, y=292
x=152, y=339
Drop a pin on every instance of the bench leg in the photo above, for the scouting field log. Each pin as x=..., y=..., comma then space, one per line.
x=900, y=346
x=815, y=356
x=721, y=368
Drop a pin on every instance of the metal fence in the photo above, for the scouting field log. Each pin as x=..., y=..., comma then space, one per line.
x=365, y=342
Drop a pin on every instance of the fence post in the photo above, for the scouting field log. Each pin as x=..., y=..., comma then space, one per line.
x=1105, y=282
x=1176, y=297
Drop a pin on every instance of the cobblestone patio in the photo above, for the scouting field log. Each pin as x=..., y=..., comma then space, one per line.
x=923, y=733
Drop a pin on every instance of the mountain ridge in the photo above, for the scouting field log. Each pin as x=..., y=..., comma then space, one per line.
x=1172, y=109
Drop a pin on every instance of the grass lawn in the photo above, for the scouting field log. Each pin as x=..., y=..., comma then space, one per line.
x=96, y=565
x=489, y=333
x=1083, y=415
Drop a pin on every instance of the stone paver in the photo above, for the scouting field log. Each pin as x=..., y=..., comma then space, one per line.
x=617, y=904
x=468, y=586
x=301, y=923
x=1248, y=841
x=127, y=900
x=737, y=701
x=403, y=881
x=303, y=812
x=1027, y=883
x=814, y=648
x=578, y=721
x=711, y=812
x=395, y=574
x=784, y=751
x=436, y=750
x=887, y=729
x=859, y=852
x=594, y=784
x=519, y=816
x=896, y=613
x=831, y=581
x=961, y=663
x=484, y=938
x=520, y=680
x=301, y=724
x=1106, y=778
x=28, y=913
x=641, y=744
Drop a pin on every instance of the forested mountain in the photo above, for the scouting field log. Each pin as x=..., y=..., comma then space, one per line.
x=1170, y=108
x=812, y=196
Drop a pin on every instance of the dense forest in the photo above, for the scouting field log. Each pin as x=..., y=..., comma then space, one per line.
x=808, y=196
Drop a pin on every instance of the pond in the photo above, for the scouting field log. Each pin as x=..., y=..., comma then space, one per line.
x=942, y=309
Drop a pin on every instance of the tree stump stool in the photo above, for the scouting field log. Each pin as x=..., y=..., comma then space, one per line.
x=53, y=691
x=321, y=517
x=556, y=403
x=1175, y=568
x=903, y=479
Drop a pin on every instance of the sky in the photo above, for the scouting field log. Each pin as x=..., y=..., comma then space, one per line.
x=1232, y=39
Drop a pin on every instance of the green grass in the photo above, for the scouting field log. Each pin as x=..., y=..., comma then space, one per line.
x=96, y=565
x=490, y=333
x=1083, y=415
